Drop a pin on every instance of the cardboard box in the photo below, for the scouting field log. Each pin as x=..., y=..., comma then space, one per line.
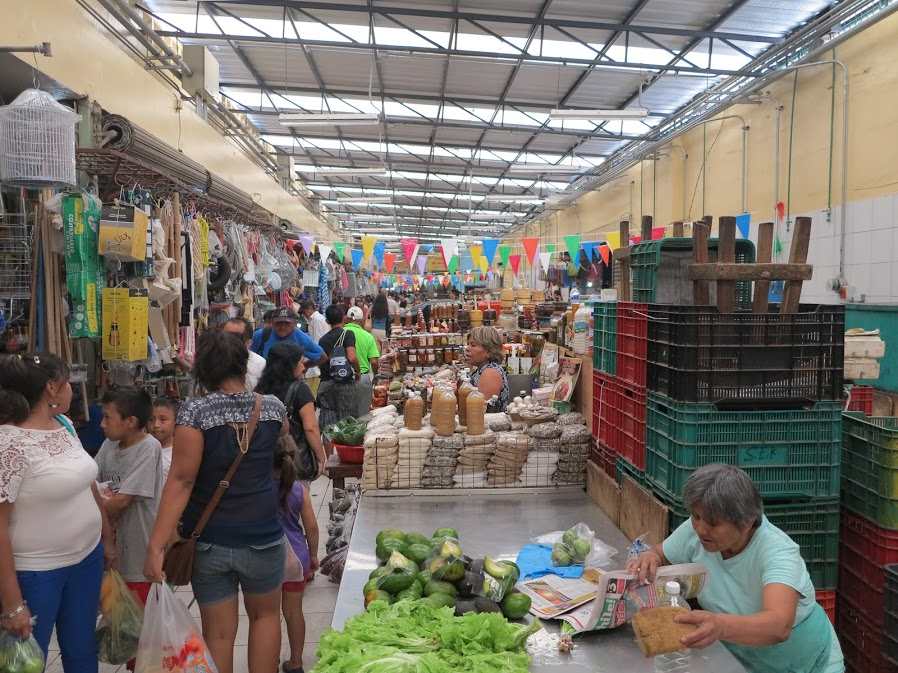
x=864, y=346
x=861, y=368
x=123, y=233
x=125, y=324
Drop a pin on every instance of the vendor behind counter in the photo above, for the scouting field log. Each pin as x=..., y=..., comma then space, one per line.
x=759, y=600
x=485, y=356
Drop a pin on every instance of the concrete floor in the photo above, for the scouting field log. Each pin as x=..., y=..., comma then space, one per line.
x=318, y=604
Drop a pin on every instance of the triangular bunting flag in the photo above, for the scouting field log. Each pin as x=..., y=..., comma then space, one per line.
x=341, y=251
x=422, y=263
x=743, y=223
x=409, y=245
x=357, y=256
x=544, y=258
x=551, y=247
x=368, y=246
x=476, y=252
x=489, y=249
x=483, y=263
x=530, y=245
x=378, y=253
x=657, y=233
x=572, y=243
x=389, y=261
x=324, y=251
x=613, y=239
x=450, y=249
x=453, y=264
x=515, y=261
x=307, y=243
x=504, y=252
x=589, y=247
x=605, y=252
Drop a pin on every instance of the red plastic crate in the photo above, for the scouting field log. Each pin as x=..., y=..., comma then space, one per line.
x=606, y=419
x=860, y=398
x=861, y=640
x=874, y=546
x=604, y=457
x=632, y=341
x=827, y=600
x=632, y=429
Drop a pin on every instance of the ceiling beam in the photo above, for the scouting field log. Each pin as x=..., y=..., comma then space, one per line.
x=411, y=50
x=493, y=17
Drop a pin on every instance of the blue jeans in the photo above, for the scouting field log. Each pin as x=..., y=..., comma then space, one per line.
x=220, y=572
x=67, y=598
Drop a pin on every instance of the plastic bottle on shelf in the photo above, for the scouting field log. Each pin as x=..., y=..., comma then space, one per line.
x=414, y=412
x=673, y=662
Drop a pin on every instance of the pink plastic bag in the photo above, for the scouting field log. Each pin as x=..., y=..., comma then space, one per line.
x=170, y=641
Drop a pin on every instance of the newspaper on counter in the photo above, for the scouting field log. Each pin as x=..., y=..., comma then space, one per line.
x=614, y=600
x=552, y=595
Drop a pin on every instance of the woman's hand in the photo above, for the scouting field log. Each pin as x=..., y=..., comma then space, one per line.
x=152, y=567
x=645, y=565
x=709, y=631
x=20, y=624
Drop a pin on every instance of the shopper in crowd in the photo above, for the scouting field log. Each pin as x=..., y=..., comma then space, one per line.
x=51, y=516
x=301, y=529
x=368, y=353
x=381, y=322
x=337, y=398
x=283, y=378
x=283, y=328
x=393, y=306
x=318, y=327
x=256, y=363
x=759, y=600
x=241, y=547
x=162, y=426
x=484, y=354
x=130, y=476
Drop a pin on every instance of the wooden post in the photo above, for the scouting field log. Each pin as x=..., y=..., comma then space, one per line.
x=678, y=229
x=708, y=220
x=646, y=232
x=700, y=290
x=726, y=254
x=798, y=254
x=765, y=255
x=623, y=260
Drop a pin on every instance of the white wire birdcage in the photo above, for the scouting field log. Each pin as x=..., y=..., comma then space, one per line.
x=37, y=142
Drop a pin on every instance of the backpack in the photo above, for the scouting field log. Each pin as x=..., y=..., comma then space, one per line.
x=339, y=365
x=305, y=459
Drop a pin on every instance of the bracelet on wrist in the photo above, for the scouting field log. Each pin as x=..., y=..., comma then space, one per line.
x=14, y=613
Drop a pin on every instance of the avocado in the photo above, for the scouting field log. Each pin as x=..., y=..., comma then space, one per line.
x=435, y=587
x=486, y=605
x=516, y=605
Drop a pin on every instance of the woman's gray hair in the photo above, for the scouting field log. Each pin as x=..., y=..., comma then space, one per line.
x=489, y=339
x=724, y=493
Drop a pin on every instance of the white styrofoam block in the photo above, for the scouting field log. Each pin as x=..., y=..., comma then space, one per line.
x=861, y=368
x=864, y=347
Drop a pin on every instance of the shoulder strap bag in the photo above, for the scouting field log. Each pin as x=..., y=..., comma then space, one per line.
x=178, y=563
x=304, y=456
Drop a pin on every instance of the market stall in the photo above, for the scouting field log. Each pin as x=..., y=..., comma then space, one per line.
x=499, y=525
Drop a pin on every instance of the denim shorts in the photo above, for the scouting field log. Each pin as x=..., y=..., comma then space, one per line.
x=218, y=572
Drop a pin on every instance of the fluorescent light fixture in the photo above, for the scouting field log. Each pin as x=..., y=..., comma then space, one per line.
x=363, y=200
x=513, y=197
x=330, y=118
x=538, y=169
x=345, y=171
x=600, y=115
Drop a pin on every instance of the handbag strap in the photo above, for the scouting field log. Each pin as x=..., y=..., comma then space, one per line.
x=225, y=483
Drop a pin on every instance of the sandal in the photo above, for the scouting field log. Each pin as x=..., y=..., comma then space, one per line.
x=291, y=670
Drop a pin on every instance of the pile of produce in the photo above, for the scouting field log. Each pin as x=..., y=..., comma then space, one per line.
x=23, y=656
x=573, y=547
x=435, y=571
x=421, y=637
x=350, y=431
x=119, y=628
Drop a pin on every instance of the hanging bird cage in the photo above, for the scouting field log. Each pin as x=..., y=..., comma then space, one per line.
x=37, y=142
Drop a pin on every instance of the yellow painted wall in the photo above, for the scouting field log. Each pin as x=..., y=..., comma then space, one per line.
x=88, y=60
x=871, y=57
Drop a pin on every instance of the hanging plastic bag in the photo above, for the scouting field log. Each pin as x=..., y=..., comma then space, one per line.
x=577, y=545
x=122, y=619
x=20, y=655
x=293, y=569
x=170, y=641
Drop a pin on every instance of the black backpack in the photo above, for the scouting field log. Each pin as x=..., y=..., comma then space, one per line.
x=305, y=459
x=339, y=366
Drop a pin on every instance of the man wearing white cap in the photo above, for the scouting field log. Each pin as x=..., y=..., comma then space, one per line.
x=367, y=352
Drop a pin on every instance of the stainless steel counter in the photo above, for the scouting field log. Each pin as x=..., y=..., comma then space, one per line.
x=498, y=526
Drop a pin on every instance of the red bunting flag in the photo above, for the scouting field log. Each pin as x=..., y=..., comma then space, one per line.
x=530, y=246
x=515, y=261
x=389, y=261
x=657, y=232
x=605, y=252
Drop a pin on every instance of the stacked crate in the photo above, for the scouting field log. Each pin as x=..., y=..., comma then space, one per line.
x=868, y=618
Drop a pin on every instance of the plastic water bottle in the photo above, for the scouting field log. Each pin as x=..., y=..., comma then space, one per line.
x=673, y=662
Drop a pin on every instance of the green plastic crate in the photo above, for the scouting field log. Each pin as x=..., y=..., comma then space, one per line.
x=813, y=525
x=870, y=467
x=626, y=469
x=604, y=337
x=788, y=454
x=659, y=271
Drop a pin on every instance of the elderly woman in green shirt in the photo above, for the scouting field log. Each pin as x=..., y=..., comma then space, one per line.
x=759, y=600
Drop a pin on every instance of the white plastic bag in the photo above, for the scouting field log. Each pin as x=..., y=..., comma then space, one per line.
x=20, y=654
x=170, y=641
x=577, y=545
